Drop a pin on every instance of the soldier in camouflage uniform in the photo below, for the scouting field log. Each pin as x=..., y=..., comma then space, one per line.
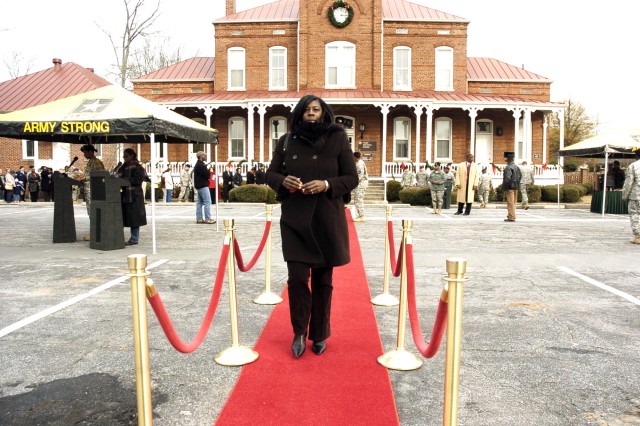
x=422, y=178
x=361, y=189
x=437, y=180
x=631, y=193
x=93, y=165
x=407, y=177
x=527, y=180
x=185, y=183
x=484, y=187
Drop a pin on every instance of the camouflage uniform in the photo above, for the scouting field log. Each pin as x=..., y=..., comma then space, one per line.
x=407, y=178
x=75, y=173
x=484, y=187
x=422, y=178
x=93, y=165
x=631, y=193
x=437, y=180
x=185, y=184
x=527, y=179
x=360, y=190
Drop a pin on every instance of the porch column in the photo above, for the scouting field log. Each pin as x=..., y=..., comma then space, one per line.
x=417, y=109
x=473, y=113
x=262, y=109
x=384, y=108
x=250, y=130
x=544, y=137
x=527, y=141
x=516, y=126
x=208, y=112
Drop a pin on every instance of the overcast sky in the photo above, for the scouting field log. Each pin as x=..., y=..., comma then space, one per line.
x=589, y=49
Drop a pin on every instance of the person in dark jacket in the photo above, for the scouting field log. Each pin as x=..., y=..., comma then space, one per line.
x=511, y=177
x=201, y=177
x=260, y=175
x=134, y=214
x=310, y=176
x=237, y=178
x=227, y=183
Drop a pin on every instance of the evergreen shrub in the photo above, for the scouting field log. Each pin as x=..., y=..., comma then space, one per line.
x=393, y=190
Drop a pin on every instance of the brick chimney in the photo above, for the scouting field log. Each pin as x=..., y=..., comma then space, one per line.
x=231, y=7
x=57, y=64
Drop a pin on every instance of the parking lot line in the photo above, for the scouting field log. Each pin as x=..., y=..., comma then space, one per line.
x=600, y=285
x=53, y=309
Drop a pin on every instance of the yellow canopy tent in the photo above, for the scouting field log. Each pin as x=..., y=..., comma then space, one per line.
x=109, y=114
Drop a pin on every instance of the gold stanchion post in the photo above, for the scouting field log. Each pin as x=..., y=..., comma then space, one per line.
x=399, y=358
x=267, y=297
x=236, y=354
x=386, y=299
x=137, y=271
x=456, y=269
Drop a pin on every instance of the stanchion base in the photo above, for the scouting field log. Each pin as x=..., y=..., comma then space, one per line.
x=267, y=298
x=385, y=299
x=236, y=356
x=399, y=359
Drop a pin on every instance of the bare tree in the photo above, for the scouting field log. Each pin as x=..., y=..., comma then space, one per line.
x=577, y=127
x=136, y=26
x=152, y=56
x=17, y=65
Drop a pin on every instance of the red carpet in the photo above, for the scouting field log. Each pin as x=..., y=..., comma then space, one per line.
x=345, y=385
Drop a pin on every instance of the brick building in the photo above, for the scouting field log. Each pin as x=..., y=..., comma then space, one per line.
x=395, y=73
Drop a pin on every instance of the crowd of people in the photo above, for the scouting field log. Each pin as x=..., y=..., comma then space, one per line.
x=18, y=185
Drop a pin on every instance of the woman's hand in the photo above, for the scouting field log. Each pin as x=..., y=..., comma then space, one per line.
x=292, y=183
x=314, y=187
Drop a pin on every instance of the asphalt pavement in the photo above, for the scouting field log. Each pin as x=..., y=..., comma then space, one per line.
x=550, y=335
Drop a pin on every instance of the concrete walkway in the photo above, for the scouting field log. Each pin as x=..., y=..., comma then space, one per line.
x=550, y=328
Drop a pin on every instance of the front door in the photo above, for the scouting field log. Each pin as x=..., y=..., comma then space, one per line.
x=484, y=142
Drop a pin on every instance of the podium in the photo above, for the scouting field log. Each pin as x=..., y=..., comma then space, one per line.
x=107, y=229
x=64, y=222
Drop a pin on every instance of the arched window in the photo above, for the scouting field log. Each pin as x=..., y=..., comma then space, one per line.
x=402, y=68
x=401, y=138
x=236, y=64
x=340, y=65
x=277, y=68
x=443, y=139
x=236, y=138
x=444, y=68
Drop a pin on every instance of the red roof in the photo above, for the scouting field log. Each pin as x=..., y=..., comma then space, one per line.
x=489, y=69
x=193, y=69
x=58, y=82
x=341, y=96
x=289, y=10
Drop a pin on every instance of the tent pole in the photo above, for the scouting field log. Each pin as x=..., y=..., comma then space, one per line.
x=604, y=179
x=558, y=197
x=215, y=169
x=153, y=192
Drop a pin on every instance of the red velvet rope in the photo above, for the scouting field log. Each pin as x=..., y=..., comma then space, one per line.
x=396, y=265
x=256, y=256
x=165, y=321
x=428, y=351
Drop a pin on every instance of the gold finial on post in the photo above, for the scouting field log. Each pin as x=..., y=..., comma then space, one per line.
x=456, y=268
x=138, y=272
x=236, y=354
x=399, y=358
x=384, y=298
x=267, y=297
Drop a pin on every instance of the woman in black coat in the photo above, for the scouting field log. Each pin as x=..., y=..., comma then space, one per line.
x=133, y=211
x=311, y=175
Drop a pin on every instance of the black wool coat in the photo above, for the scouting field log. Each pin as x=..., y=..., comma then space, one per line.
x=133, y=211
x=314, y=226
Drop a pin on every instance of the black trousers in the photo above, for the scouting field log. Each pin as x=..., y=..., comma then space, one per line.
x=467, y=209
x=310, y=308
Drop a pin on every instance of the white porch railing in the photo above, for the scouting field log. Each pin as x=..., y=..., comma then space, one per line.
x=543, y=175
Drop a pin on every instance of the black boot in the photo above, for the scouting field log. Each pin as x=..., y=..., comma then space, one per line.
x=319, y=347
x=299, y=345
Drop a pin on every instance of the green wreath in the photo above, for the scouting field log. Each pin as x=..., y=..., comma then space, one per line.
x=337, y=4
